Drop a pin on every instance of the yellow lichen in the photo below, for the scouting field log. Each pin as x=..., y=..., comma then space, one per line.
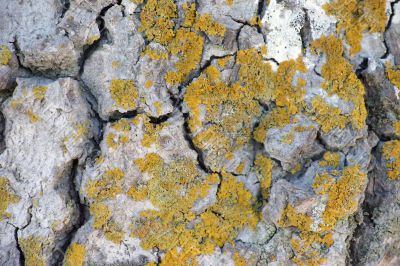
x=5, y=55
x=7, y=197
x=32, y=116
x=356, y=17
x=148, y=84
x=157, y=20
x=124, y=93
x=102, y=220
x=173, y=189
x=39, y=92
x=239, y=260
x=107, y=187
x=155, y=54
x=188, y=46
x=75, y=255
x=190, y=14
x=341, y=80
x=343, y=194
x=331, y=159
x=263, y=167
x=33, y=250
x=206, y=24
x=391, y=154
x=115, y=65
x=393, y=74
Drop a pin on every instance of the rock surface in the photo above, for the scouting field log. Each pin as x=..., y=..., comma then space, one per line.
x=180, y=132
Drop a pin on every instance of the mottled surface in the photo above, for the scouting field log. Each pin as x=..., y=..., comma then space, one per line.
x=180, y=132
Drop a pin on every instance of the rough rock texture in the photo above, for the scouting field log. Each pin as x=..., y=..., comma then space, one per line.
x=180, y=132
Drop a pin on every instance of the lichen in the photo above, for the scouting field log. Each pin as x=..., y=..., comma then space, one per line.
x=107, y=187
x=39, y=92
x=75, y=255
x=206, y=24
x=188, y=47
x=173, y=189
x=356, y=17
x=7, y=197
x=124, y=93
x=340, y=79
x=391, y=154
x=157, y=20
x=393, y=74
x=5, y=55
x=102, y=220
x=263, y=167
x=330, y=159
x=32, y=247
x=34, y=118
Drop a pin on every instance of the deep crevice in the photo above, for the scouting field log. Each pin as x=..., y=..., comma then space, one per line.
x=22, y=255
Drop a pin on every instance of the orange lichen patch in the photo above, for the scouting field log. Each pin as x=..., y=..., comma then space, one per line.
x=173, y=189
x=5, y=55
x=229, y=2
x=122, y=125
x=39, y=92
x=138, y=2
x=292, y=218
x=331, y=159
x=102, y=220
x=124, y=93
x=356, y=17
x=190, y=14
x=107, y=187
x=7, y=197
x=391, y=154
x=239, y=260
x=33, y=250
x=151, y=131
x=240, y=168
x=157, y=20
x=148, y=84
x=341, y=80
x=206, y=24
x=263, y=166
x=393, y=74
x=277, y=118
x=307, y=248
x=343, y=194
x=188, y=46
x=396, y=126
x=327, y=116
x=155, y=54
x=75, y=255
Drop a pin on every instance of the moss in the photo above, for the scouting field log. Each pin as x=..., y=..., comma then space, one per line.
x=356, y=17
x=341, y=80
x=157, y=20
x=206, y=24
x=124, y=93
x=263, y=166
x=5, y=55
x=107, y=187
x=391, y=154
x=7, y=197
x=32, y=247
x=75, y=255
x=39, y=92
